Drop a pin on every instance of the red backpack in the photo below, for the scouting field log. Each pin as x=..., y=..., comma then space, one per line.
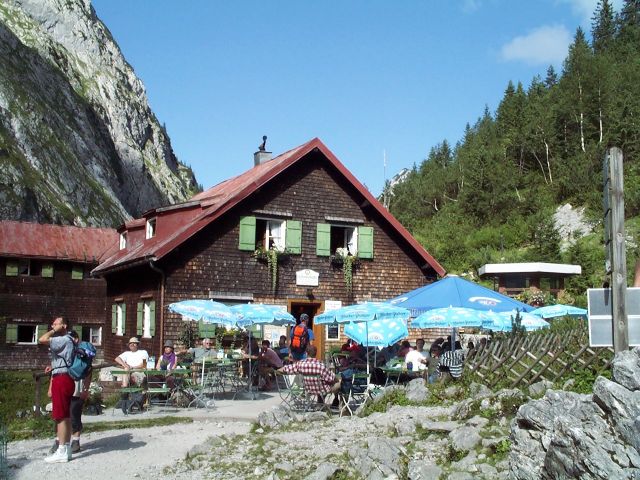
x=300, y=338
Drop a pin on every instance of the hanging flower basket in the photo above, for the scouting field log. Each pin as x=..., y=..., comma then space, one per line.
x=272, y=257
x=342, y=258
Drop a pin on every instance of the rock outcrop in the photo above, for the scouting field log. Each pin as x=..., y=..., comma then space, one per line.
x=78, y=141
x=569, y=435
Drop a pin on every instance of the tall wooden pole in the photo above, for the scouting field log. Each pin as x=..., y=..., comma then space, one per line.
x=618, y=256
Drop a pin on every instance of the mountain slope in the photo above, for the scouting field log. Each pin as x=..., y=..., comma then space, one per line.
x=78, y=141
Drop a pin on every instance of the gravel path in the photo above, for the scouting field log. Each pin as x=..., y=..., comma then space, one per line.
x=136, y=453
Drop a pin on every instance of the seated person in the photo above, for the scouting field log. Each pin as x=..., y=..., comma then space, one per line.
x=415, y=361
x=269, y=361
x=433, y=362
x=183, y=355
x=405, y=347
x=420, y=348
x=206, y=351
x=354, y=361
x=323, y=381
x=168, y=359
x=133, y=358
x=452, y=362
x=283, y=348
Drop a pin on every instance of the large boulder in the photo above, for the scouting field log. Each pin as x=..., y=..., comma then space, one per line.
x=568, y=435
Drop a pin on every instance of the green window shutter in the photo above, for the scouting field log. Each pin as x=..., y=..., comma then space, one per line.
x=294, y=236
x=47, y=270
x=365, y=242
x=206, y=330
x=76, y=272
x=139, y=318
x=247, y=233
x=11, y=270
x=152, y=318
x=42, y=329
x=114, y=318
x=323, y=240
x=12, y=333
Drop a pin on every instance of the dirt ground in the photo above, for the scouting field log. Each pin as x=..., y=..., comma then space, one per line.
x=118, y=454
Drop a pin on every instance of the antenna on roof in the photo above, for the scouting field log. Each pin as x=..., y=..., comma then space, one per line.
x=385, y=194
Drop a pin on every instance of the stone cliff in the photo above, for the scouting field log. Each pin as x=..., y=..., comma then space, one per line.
x=78, y=141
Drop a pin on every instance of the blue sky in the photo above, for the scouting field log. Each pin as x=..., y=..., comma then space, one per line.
x=366, y=77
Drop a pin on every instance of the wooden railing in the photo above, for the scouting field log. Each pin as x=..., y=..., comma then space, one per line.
x=522, y=360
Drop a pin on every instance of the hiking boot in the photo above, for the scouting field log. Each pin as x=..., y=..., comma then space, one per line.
x=75, y=446
x=62, y=455
x=54, y=447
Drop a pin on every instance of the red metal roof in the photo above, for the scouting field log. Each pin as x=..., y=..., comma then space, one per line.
x=57, y=242
x=209, y=205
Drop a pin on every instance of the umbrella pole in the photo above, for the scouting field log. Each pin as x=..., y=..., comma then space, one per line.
x=368, y=374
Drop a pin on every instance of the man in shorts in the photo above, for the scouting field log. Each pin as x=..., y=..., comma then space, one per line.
x=61, y=347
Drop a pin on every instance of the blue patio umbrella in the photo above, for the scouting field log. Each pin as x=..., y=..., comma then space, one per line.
x=206, y=310
x=365, y=313
x=378, y=333
x=453, y=291
x=362, y=312
x=261, y=314
x=551, y=311
x=453, y=317
x=504, y=322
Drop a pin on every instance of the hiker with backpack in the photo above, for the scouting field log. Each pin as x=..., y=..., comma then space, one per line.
x=80, y=394
x=62, y=386
x=301, y=338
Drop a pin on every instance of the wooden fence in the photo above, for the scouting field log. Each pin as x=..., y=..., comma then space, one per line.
x=521, y=360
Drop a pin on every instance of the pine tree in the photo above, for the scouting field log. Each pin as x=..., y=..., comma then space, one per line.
x=551, y=78
x=603, y=26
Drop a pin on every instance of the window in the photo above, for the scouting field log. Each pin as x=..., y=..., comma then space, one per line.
x=91, y=334
x=31, y=268
x=151, y=228
x=77, y=272
x=24, y=334
x=146, y=318
x=357, y=240
x=333, y=332
x=123, y=240
x=118, y=318
x=270, y=233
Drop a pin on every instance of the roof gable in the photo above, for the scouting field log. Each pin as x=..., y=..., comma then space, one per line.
x=211, y=204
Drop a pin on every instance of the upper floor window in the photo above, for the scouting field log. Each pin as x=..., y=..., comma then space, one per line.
x=31, y=268
x=151, y=228
x=77, y=272
x=270, y=233
x=356, y=240
x=123, y=240
x=118, y=318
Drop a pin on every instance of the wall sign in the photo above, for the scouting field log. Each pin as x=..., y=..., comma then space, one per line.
x=307, y=278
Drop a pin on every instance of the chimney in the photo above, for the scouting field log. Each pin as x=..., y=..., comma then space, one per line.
x=262, y=155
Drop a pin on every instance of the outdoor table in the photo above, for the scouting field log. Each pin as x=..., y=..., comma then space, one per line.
x=395, y=376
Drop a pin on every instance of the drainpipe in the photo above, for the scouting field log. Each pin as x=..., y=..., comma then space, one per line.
x=163, y=278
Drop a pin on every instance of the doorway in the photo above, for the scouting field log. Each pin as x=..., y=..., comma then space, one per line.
x=311, y=308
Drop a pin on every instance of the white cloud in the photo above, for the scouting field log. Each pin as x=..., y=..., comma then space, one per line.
x=542, y=46
x=584, y=9
x=470, y=6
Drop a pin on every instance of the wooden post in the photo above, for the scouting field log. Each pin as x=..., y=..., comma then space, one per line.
x=36, y=405
x=618, y=256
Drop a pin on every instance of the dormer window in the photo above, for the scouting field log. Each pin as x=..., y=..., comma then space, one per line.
x=151, y=228
x=123, y=240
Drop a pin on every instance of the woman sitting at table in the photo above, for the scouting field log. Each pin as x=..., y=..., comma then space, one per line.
x=168, y=362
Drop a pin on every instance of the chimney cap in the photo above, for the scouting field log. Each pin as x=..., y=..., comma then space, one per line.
x=263, y=145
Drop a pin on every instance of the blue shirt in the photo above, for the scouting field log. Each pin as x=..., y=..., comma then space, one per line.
x=61, y=348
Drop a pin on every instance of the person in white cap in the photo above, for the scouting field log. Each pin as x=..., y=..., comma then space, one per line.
x=133, y=358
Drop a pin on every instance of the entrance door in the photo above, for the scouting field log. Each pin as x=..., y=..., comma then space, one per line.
x=311, y=308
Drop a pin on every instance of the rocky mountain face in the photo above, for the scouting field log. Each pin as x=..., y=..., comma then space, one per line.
x=78, y=142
